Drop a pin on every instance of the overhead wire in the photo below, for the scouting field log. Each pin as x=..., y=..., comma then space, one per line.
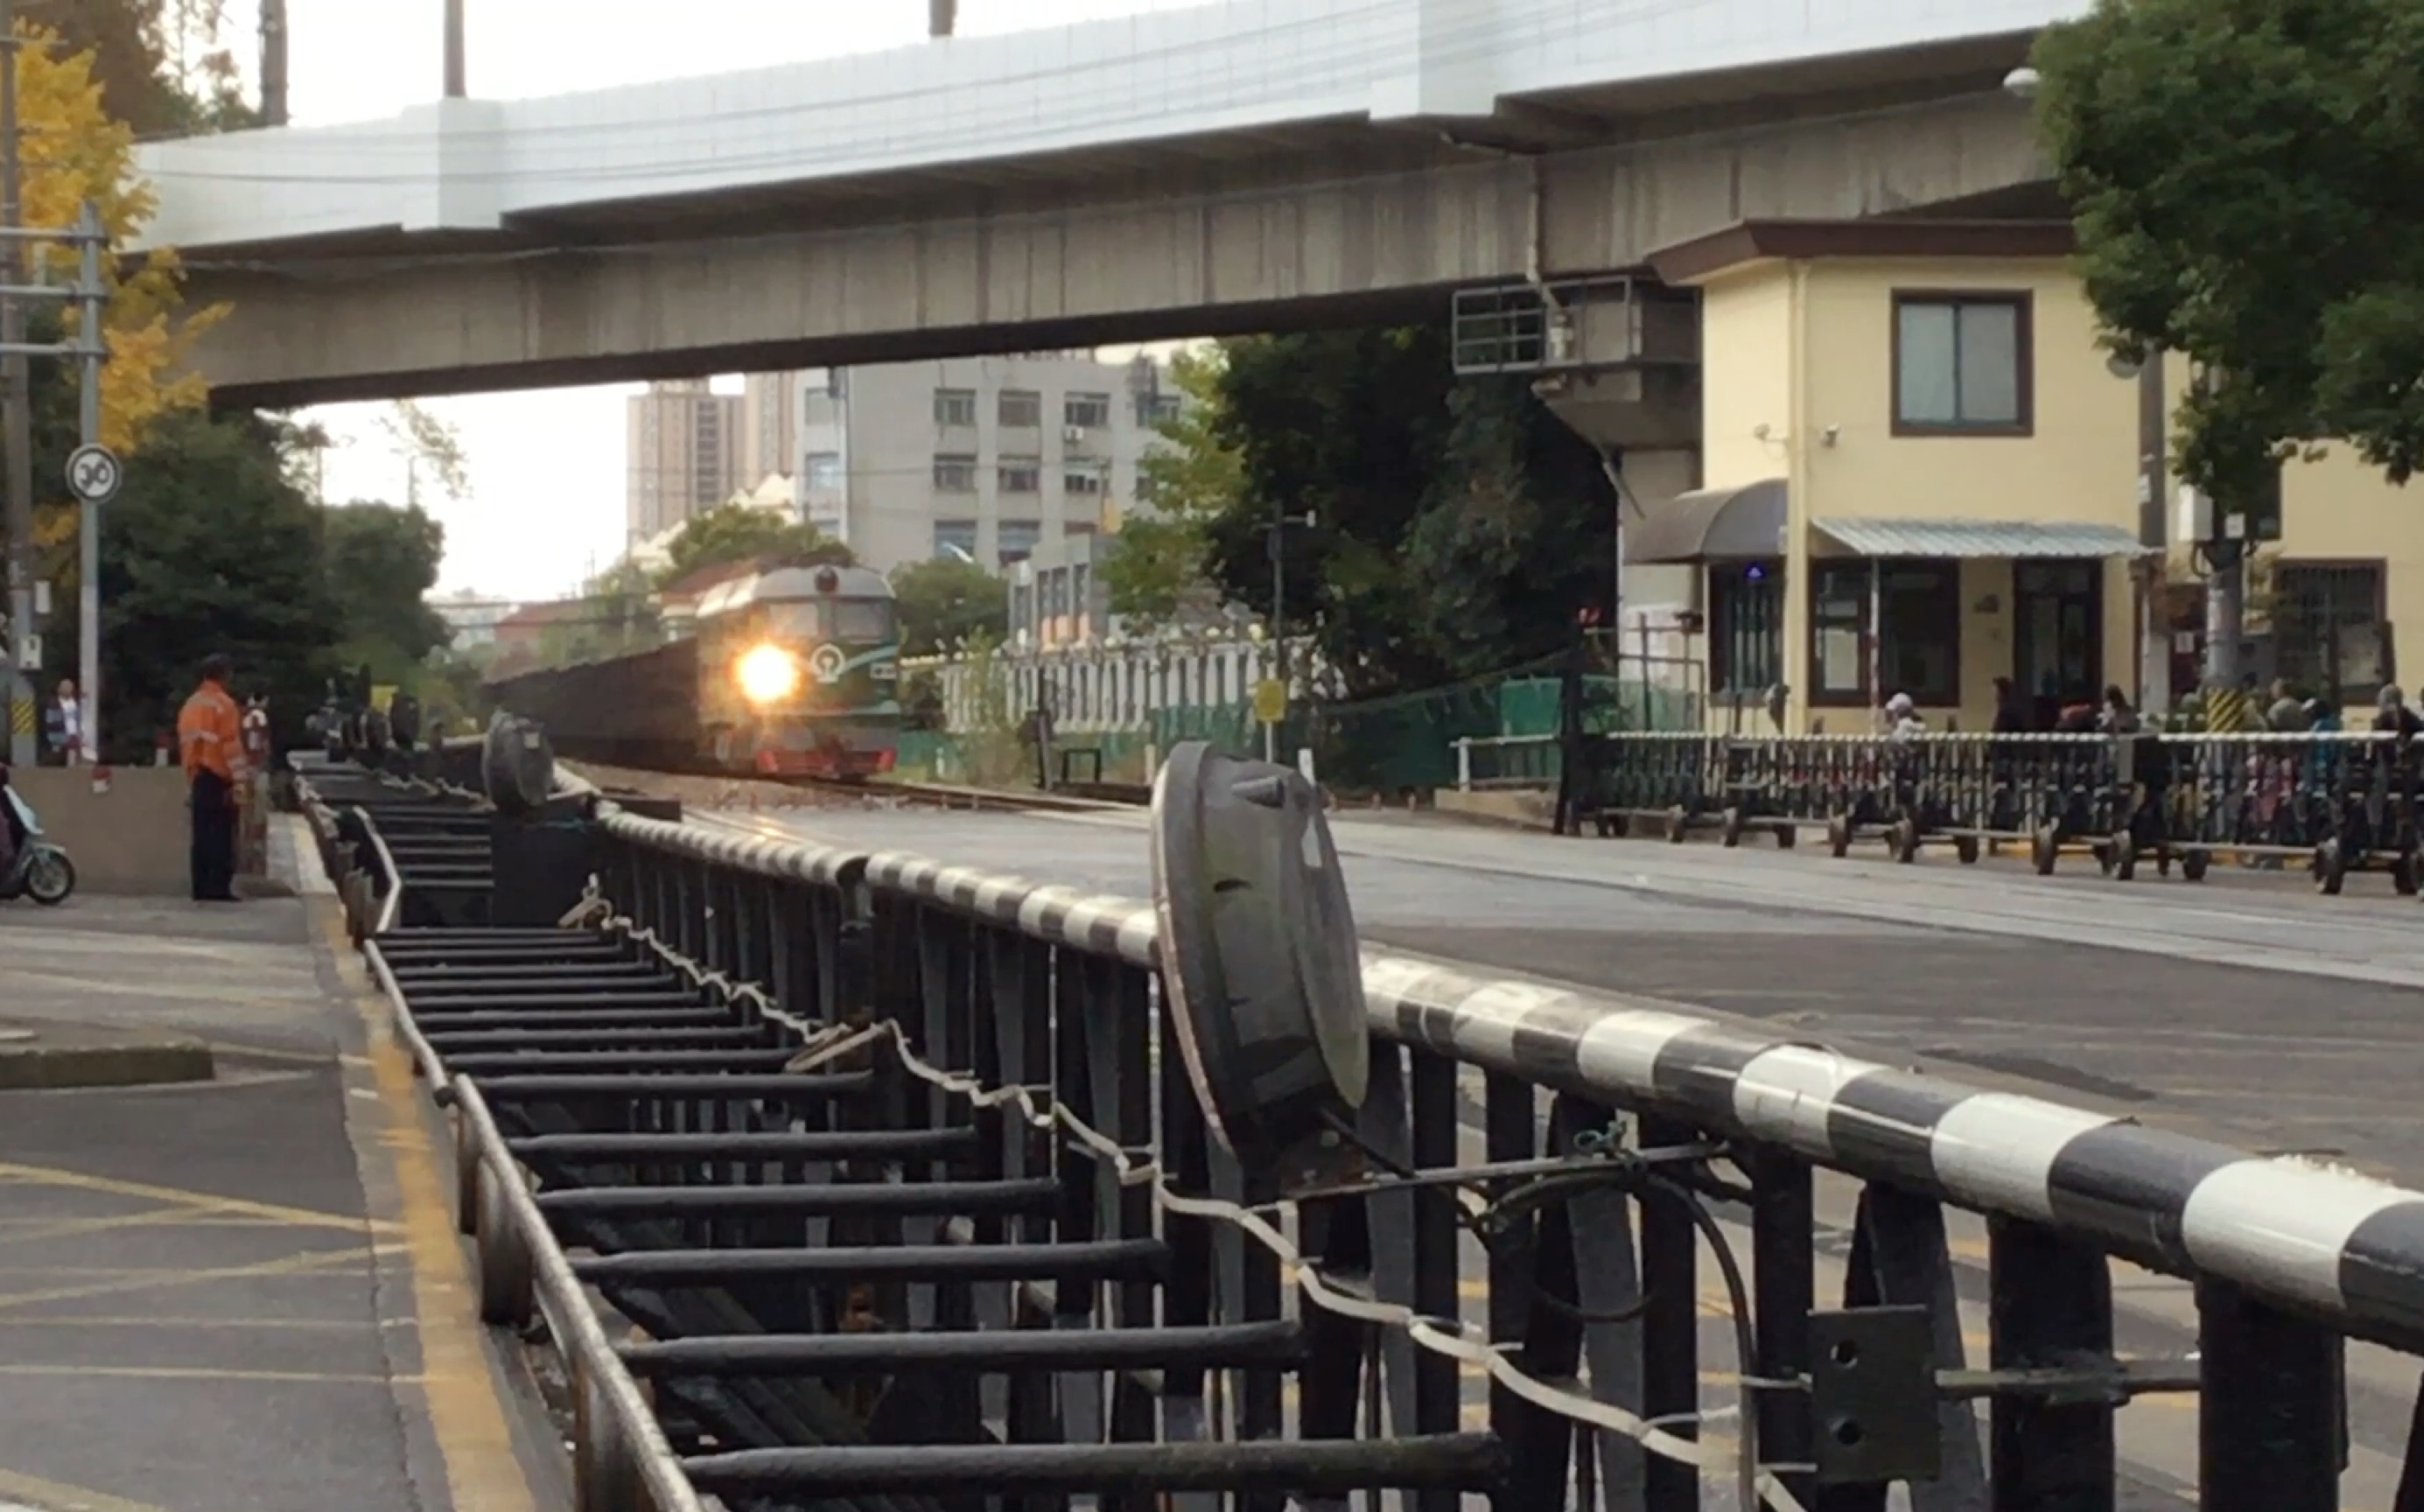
x=1758, y=1485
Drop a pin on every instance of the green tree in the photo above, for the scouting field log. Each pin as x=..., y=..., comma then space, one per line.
x=1347, y=425
x=2243, y=175
x=945, y=601
x=208, y=547
x=735, y=533
x=161, y=64
x=381, y=561
x=1159, y=570
x=1458, y=526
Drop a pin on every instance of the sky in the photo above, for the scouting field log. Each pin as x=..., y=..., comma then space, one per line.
x=546, y=497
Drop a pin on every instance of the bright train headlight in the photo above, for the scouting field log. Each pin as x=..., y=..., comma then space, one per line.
x=768, y=673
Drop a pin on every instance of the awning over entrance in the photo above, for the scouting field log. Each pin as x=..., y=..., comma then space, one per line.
x=1975, y=539
x=1736, y=524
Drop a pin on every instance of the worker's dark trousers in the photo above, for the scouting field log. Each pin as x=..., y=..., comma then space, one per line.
x=214, y=838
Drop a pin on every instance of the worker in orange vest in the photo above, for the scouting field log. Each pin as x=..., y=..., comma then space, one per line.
x=210, y=731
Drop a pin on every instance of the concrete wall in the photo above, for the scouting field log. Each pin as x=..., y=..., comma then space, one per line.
x=132, y=840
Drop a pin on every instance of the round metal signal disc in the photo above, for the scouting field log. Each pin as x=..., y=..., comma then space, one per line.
x=1258, y=951
x=517, y=764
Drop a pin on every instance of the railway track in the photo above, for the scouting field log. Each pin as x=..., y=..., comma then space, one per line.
x=702, y=788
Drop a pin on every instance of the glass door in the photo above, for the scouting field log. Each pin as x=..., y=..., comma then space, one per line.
x=2057, y=641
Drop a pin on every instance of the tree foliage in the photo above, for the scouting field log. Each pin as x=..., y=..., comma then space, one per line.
x=208, y=547
x=736, y=532
x=212, y=544
x=76, y=151
x=161, y=64
x=2244, y=174
x=382, y=560
x=1159, y=570
x=945, y=602
x=1458, y=527
x=424, y=439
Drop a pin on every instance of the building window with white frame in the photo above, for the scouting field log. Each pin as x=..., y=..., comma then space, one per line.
x=955, y=474
x=1085, y=483
x=1962, y=364
x=955, y=406
x=956, y=538
x=1018, y=410
x=1020, y=475
x=1086, y=411
x=822, y=469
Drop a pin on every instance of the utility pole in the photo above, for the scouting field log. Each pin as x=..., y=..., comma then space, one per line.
x=16, y=407
x=2154, y=691
x=1279, y=525
x=95, y=353
x=2226, y=539
x=273, y=62
x=455, y=86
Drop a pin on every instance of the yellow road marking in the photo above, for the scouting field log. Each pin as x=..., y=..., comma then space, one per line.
x=140, y=1280
x=347, y=1324
x=300, y=1218
x=200, y=1373
x=467, y=1415
x=29, y=1231
x=51, y=1494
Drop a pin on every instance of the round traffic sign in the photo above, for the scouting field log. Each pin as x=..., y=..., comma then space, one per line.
x=1270, y=701
x=94, y=474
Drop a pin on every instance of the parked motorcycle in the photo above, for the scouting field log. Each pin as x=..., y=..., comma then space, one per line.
x=36, y=867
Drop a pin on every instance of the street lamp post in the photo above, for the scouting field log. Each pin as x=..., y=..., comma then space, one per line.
x=1279, y=525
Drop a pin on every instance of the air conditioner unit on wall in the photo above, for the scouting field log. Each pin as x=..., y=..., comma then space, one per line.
x=1073, y=434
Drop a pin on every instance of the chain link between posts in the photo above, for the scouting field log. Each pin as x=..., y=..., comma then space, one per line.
x=1465, y=1343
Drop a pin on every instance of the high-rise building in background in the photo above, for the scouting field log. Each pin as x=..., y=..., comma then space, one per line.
x=770, y=427
x=684, y=445
x=981, y=457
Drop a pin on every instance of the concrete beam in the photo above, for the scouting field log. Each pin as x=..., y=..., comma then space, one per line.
x=1355, y=247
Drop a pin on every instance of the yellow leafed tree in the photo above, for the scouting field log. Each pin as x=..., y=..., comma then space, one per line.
x=75, y=152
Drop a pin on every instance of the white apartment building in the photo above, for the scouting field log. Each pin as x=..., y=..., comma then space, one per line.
x=982, y=456
x=684, y=443
x=770, y=426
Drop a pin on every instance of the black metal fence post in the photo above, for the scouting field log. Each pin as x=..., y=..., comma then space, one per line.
x=2269, y=1416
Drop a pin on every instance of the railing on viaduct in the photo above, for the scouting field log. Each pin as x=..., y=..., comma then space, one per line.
x=817, y=1120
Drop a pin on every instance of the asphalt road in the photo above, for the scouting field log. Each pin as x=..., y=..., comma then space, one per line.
x=243, y=1293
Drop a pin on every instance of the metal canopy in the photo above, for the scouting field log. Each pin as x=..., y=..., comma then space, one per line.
x=1972, y=539
x=1742, y=523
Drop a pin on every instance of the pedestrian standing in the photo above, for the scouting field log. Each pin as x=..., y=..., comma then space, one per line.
x=210, y=731
x=66, y=724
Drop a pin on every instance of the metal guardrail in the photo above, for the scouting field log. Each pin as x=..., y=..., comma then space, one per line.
x=2336, y=802
x=1030, y=1016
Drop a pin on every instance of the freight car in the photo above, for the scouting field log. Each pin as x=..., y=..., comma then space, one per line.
x=791, y=670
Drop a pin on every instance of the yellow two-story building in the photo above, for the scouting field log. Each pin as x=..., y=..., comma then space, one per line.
x=1919, y=473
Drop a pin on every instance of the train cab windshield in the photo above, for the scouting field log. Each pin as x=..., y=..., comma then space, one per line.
x=833, y=619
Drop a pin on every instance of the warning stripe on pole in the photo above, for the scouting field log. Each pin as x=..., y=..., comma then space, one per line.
x=2228, y=710
x=20, y=716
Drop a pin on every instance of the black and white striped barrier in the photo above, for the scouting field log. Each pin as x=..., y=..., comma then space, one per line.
x=2328, y=1240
